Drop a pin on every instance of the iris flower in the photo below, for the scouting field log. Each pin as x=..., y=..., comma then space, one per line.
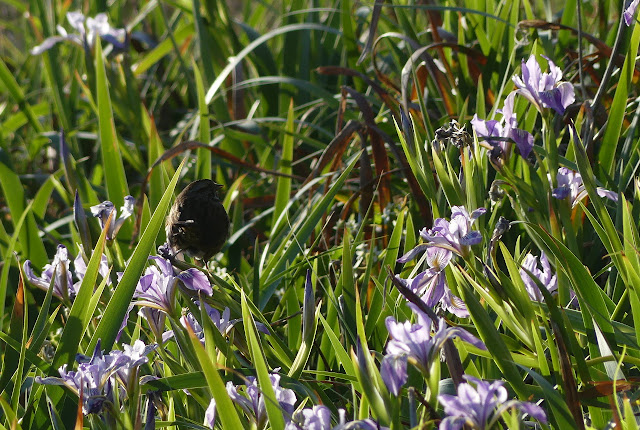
x=156, y=288
x=418, y=343
x=62, y=286
x=630, y=11
x=480, y=407
x=544, y=90
x=431, y=285
x=222, y=322
x=498, y=133
x=87, y=29
x=96, y=376
x=545, y=276
x=210, y=414
x=319, y=418
x=104, y=209
x=253, y=400
x=455, y=235
x=570, y=185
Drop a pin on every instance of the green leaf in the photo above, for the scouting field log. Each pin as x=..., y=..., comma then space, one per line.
x=286, y=251
x=493, y=341
x=561, y=414
x=29, y=239
x=116, y=180
x=259, y=362
x=203, y=163
x=237, y=59
x=4, y=275
x=607, y=153
x=283, y=190
x=183, y=33
x=7, y=78
x=224, y=406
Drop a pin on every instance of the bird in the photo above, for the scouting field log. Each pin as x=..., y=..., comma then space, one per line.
x=198, y=224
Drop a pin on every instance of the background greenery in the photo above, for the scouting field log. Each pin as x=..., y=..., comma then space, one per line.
x=299, y=105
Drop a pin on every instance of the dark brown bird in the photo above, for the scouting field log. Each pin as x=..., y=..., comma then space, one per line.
x=198, y=224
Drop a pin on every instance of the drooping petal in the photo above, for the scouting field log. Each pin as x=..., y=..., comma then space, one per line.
x=558, y=98
x=611, y=195
x=394, y=372
x=195, y=280
x=46, y=44
x=523, y=140
x=412, y=254
x=454, y=304
x=210, y=414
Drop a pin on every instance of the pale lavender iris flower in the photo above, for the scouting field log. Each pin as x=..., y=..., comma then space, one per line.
x=80, y=268
x=252, y=402
x=544, y=275
x=419, y=344
x=570, y=185
x=457, y=233
x=63, y=287
x=319, y=418
x=104, y=209
x=500, y=133
x=156, y=288
x=431, y=285
x=480, y=407
x=222, y=322
x=96, y=376
x=544, y=90
x=87, y=30
x=393, y=371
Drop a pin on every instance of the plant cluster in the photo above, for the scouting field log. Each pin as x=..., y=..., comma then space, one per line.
x=434, y=215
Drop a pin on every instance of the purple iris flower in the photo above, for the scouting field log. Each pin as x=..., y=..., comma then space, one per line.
x=630, y=11
x=156, y=288
x=419, y=344
x=570, y=185
x=544, y=90
x=104, y=209
x=319, y=418
x=498, y=133
x=222, y=322
x=156, y=320
x=456, y=234
x=253, y=400
x=545, y=276
x=63, y=287
x=87, y=30
x=480, y=408
x=431, y=285
x=136, y=355
x=96, y=375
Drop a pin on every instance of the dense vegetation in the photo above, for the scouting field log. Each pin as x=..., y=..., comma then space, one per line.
x=434, y=214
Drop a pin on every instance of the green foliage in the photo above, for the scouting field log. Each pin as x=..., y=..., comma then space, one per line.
x=326, y=123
